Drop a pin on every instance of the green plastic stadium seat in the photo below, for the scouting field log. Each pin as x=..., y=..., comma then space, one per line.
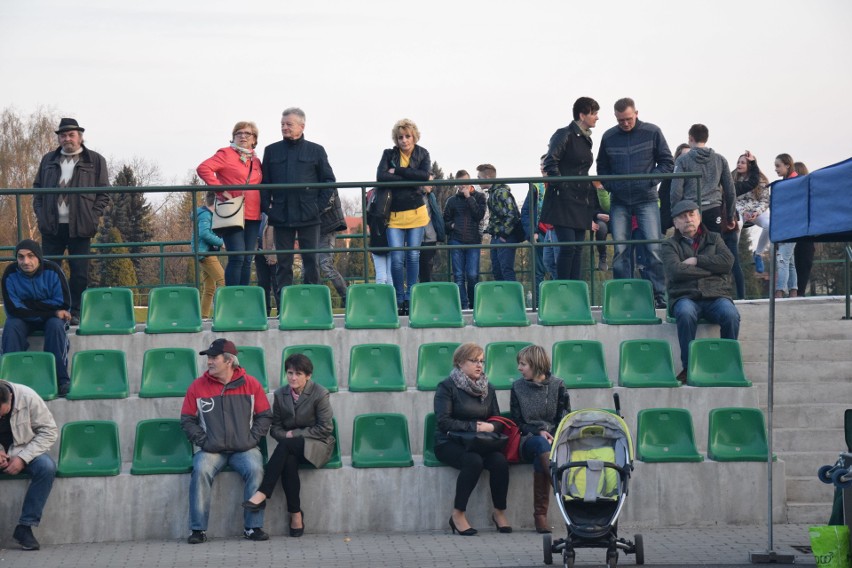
x=253, y=361
x=168, y=371
x=628, y=302
x=580, y=364
x=239, y=308
x=429, y=459
x=737, y=434
x=322, y=357
x=716, y=363
x=89, y=449
x=107, y=311
x=501, y=363
x=665, y=435
x=381, y=440
x=35, y=369
x=498, y=304
x=99, y=373
x=646, y=363
x=434, y=363
x=371, y=306
x=335, y=462
x=376, y=367
x=161, y=447
x=174, y=309
x=435, y=304
x=564, y=302
x=306, y=306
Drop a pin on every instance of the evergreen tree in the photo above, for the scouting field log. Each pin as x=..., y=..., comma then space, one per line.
x=114, y=271
x=132, y=215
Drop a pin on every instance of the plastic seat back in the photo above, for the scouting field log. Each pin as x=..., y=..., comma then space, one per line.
x=35, y=369
x=239, y=308
x=99, y=373
x=737, y=434
x=628, y=302
x=107, y=311
x=501, y=363
x=89, y=449
x=168, y=371
x=253, y=360
x=564, y=302
x=500, y=303
x=381, y=440
x=322, y=357
x=305, y=306
x=371, y=306
x=174, y=309
x=435, y=304
x=429, y=459
x=161, y=447
x=646, y=363
x=666, y=435
x=580, y=364
x=376, y=367
x=716, y=363
x=434, y=363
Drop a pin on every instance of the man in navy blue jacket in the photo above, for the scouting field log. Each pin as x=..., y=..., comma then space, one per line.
x=36, y=298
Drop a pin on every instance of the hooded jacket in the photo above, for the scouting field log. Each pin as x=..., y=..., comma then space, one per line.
x=717, y=186
x=462, y=217
x=207, y=239
x=709, y=279
x=38, y=297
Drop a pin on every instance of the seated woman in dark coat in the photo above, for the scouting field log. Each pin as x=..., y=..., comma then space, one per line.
x=463, y=403
x=302, y=425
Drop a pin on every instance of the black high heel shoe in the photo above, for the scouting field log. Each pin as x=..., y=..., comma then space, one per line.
x=467, y=532
x=506, y=529
x=300, y=531
x=254, y=507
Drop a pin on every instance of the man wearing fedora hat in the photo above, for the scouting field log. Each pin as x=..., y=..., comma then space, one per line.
x=68, y=221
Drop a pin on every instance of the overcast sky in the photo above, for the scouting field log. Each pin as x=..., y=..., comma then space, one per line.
x=486, y=81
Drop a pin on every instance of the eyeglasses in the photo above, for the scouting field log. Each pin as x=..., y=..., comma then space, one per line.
x=243, y=133
x=477, y=361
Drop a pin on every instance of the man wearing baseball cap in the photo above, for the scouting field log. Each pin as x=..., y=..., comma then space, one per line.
x=698, y=263
x=68, y=221
x=225, y=414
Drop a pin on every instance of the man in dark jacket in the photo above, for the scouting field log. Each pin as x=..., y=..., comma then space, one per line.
x=225, y=413
x=295, y=213
x=36, y=298
x=69, y=221
x=635, y=147
x=698, y=265
x=462, y=215
x=332, y=221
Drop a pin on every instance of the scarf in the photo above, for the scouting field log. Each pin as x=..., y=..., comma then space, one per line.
x=245, y=155
x=478, y=388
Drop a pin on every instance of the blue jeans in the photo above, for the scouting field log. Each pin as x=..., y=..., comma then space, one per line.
x=503, y=260
x=532, y=448
x=42, y=471
x=382, y=264
x=15, y=333
x=648, y=217
x=465, y=272
x=205, y=466
x=687, y=313
x=238, y=270
x=786, y=279
x=405, y=264
x=732, y=239
x=550, y=255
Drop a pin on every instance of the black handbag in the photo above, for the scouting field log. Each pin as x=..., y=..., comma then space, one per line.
x=480, y=442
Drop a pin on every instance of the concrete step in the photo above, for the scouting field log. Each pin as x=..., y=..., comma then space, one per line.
x=802, y=415
x=808, y=513
x=798, y=439
x=808, y=490
x=811, y=350
x=796, y=371
x=819, y=392
x=804, y=464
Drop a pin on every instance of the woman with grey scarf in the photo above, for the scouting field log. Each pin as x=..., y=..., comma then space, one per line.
x=536, y=405
x=464, y=402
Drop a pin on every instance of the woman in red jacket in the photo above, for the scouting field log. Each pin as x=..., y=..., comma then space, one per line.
x=237, y=165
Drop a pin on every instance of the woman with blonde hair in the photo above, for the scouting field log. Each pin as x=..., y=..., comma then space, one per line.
x=537, y=404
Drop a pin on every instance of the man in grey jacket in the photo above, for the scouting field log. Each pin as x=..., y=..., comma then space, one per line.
x=69, y=221
x=27, y=432
x=718, y=197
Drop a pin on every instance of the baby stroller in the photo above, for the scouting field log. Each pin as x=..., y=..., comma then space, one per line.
x=590, y=465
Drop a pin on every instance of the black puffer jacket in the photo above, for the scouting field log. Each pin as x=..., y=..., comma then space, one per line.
x=332, y=219
x=296, y=161
x=462, y=216
x=457, y=411
x=405, y=198
x=569, y=204
x=85, y=209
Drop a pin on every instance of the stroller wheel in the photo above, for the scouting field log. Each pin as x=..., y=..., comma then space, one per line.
x=568, y=559
x=547, y=546
x=824, y=473
x=838, y=482
x=640, y=549
x=612, y=559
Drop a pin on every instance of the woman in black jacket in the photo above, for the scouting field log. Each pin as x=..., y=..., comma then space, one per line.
x=570, y=206
x=406, y=161
x=463, y=403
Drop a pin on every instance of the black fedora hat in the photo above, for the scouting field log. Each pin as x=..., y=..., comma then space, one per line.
x=67, y=124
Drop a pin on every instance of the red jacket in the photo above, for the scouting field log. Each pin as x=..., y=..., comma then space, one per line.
x=225, y=168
